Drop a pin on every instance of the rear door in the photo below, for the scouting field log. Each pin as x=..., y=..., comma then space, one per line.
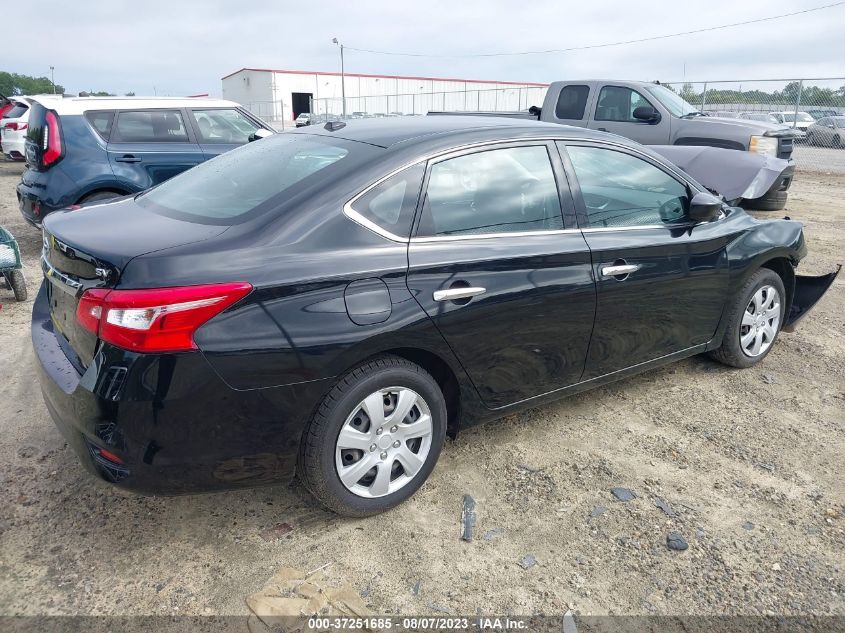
x=147, y=147
x=661, y=280
x=572, y=106
x=506, y=280
x=219, y=130
x=613, y=112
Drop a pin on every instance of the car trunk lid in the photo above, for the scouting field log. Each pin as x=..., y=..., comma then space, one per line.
x=88, y=248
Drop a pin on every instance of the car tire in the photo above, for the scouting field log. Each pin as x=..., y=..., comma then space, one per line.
x=17, y=282
x=399, y=461
x=100, y=196
x=774, y=201
x=811, y=140
x=744, y=327
x=837, y=142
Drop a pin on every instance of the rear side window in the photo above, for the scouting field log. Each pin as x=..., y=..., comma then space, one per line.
x=17, y=111
x=248, y=180
x=391, y=204
x=158, y=126
x=101, y=122
x=493, y=191
x=572, y=102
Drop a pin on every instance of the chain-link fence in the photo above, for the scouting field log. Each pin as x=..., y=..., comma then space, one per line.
x=815, y=108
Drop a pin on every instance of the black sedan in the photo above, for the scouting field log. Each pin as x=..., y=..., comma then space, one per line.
x=334, y=301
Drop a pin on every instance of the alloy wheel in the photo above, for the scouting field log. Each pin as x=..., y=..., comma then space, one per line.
x=760, y=322
x=384, y=442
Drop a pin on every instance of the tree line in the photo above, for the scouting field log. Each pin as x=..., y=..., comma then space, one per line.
x=15, y=84
x=810, y=95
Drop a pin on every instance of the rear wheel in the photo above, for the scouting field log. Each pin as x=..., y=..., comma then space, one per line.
x=375, y=438
x=100, y=195
x=754, y=320
x=16, y=280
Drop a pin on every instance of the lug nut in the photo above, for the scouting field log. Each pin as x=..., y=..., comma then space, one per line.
x=396, y=444
x=394, y=428
x=384, y=455
x=373, y=448
x=379, y=431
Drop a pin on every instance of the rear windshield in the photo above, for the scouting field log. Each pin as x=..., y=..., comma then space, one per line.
x=249, y=180
x=17, y=110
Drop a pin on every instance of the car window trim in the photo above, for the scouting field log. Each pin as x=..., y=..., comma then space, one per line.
x=580, y=205
x=598, y=101
x=571, y=188
x=192, y=140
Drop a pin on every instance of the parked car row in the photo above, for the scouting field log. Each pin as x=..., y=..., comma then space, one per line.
x=86, y=149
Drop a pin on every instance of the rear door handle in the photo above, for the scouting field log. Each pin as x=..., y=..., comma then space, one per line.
x=619, y=270
x=460, y=292
x=127, y=158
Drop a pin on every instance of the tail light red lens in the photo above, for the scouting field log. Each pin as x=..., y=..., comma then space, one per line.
x=15, y=125
x=52, y=142
x=155, y=320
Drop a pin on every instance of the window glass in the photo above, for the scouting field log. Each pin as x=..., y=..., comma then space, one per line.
x=246, y=179
x=671, y=100
x=618, y=104
x=16, y=111
x=572, y=102
x=160, y=126
x=623, y=190
x=223, y=126
x=494, y=191
x=101, y=121
x=391, y=204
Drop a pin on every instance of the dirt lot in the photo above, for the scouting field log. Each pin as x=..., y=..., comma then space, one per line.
x=748, y=462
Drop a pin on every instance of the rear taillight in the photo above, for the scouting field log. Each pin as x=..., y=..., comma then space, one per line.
x=15, y=125
x=52, y=141
x=155, y=320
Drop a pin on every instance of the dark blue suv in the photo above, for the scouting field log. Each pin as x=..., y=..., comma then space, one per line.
x=80, y=150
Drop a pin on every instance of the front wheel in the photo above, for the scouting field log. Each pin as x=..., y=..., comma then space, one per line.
x=375, y=438
x=754, y=320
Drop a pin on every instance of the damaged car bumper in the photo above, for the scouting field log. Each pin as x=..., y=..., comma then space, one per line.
x=808, y=291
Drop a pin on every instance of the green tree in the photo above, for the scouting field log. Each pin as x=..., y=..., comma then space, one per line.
x=14, y=84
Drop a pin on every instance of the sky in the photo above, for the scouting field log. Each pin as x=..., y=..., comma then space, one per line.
x=182, y=47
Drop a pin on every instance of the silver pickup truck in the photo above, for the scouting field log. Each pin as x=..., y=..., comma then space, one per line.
x=652, y=114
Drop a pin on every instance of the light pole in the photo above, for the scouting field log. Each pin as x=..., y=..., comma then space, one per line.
x=52, y=78
x=342, y=77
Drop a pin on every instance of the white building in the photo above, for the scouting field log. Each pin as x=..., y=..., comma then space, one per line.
x=280, y=95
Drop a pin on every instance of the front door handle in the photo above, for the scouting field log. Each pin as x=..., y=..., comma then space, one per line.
x=127, y=158
x=458, y=292
x=602, y=129
x=619, y=270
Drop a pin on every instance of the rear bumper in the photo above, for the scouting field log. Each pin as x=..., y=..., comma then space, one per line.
x=808, y=291
x=175, y=425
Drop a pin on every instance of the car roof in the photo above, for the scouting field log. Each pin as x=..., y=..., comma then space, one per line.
x=80, y=105
x=388, y=132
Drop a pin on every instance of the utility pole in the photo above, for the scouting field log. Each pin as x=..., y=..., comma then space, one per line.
x=342, y=77
x=52, y=78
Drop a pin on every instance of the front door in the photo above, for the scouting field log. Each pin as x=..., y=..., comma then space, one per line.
x=494, y=266
x=614, y=112
x=147, y=147
x=661, y=281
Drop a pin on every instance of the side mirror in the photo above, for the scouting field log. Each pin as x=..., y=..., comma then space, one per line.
x=259, y=134
x=647, y=114
x=704, y=207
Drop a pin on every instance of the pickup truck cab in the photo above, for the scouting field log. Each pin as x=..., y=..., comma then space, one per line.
x=652, y=114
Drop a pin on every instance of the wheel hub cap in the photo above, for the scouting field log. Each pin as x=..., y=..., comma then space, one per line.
x=384, y=442
x=760, y=322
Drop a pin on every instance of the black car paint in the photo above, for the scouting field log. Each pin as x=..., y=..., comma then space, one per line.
x=232, y=413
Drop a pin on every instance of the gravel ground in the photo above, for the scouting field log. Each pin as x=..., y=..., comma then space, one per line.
x=747, y=466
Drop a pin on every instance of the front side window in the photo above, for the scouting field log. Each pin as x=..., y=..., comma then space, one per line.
x=493, y=191
x=158, y=126
x=618, y=104
x=572, y=102
x=224, y=126
x=620, y=190
x=391, y=204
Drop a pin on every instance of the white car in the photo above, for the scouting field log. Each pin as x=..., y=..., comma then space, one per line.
x=13, y=127
x=800, y=120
